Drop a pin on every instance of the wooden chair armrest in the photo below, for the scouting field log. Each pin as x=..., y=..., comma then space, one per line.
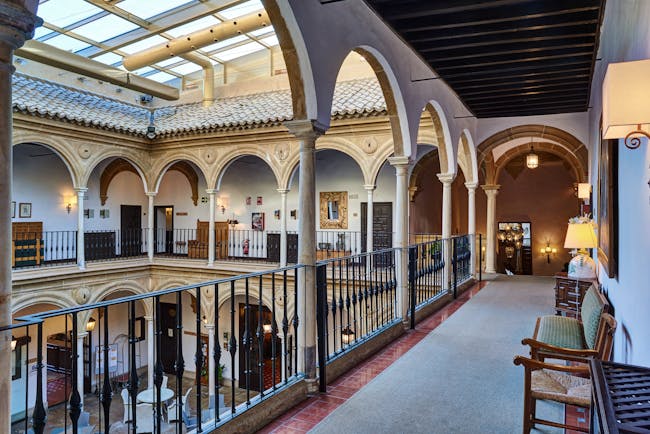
x=538, y=345
x=536, y=364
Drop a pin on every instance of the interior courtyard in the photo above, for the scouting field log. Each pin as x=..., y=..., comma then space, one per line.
x=321, y=215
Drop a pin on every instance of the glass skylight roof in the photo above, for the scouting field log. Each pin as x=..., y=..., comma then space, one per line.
x=116, y=28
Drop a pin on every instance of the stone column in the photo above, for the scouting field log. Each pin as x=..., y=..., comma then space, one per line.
x=401, y=165
x=283, y=226
x=81, y=336
x=17, y=22
x=150, y=351
x=447, y=179
x=81, y=254
x=471, y=222
x=369, y=217
x=150, y=224
x=211, y=192
x=212, y=372
x=491, y=191
x=307, y=132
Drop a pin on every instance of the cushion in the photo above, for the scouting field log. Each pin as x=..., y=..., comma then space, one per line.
x=560, y=387
x=590, y=312
x=560, y=331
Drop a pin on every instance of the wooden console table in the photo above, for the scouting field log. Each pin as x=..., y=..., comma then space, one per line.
x=321, y=255
x=620, y=401
x=569, y=293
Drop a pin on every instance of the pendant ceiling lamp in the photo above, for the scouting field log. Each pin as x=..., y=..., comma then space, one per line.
x=532, y=159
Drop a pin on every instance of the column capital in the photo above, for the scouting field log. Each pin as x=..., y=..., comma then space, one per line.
x=471, y=186
x=151, y=193
x=211, y=190
x=446, y=178
x=305, y=129
x=17, y=23
x=208, y=326
x=82, y=335
x=148, y=318
x=491, y=189
x=81, y=189
x=369, y=187
x=400, y=161
x=283, y=190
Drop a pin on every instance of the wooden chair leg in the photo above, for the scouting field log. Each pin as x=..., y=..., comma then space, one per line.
x=528, y=402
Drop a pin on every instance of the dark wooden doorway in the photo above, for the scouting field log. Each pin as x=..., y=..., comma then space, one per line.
x=163, y=229
x=168, y=312
x=382, y=228
x=267, y=350
x=273, y=248
x=131, y=230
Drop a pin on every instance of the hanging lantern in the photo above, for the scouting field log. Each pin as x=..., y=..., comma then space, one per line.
x=532, y=159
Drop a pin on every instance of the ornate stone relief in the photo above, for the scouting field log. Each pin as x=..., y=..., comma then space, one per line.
x=281, y=151
x=209, y=156
x=84, y=151
x=369, y=145
x=81, y=294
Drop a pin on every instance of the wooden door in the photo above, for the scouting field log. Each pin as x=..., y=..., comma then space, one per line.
x=131, y=230
x=163, y=229
x=168, y=312
x=267, y=349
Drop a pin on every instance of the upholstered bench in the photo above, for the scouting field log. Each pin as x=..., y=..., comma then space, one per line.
x=573, y=339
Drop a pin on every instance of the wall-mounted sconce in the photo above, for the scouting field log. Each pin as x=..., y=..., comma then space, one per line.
x=548, y=251
x=68, y=207
x=626, y=113
x=14, y=342
x=90, y=325
x=294, y=214
x=584, y=190
x=222, y=203
x=267, y=328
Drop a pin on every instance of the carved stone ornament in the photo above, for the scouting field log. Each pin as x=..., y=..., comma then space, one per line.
x=81, y=294
x=84, y=151
x=281, y=151
x=209, y=156
x=369, y=145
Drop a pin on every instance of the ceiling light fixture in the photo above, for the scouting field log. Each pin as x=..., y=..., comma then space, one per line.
x=532, y=159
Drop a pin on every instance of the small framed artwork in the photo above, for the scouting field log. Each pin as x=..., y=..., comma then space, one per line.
x=104, y=213
x=257, y=221
x=276, y=214
x=89, y=213
x=25, y=210
x=13, y=209
x=294, y=214
x=249, y=200
x=259, y=200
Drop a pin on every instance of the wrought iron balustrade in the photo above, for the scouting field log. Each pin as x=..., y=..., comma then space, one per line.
x=43, y=248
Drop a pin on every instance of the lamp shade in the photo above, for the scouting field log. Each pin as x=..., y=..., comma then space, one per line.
x=584, y=190
x=626, y=92
x=580, y=236
x=532, y=160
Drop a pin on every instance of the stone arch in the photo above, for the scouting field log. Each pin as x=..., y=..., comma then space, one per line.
x=345, y=147
x=162, y=165
x=131, y=286
x=186, y=169
x=111, y=171
x=384, y=151
x=566, y=141
x=56, y=145
x=579, y=174
x=138, y=168
x=443, y=137
x=232, y=156
x=467, y=157
x=58, y=299
x=418, y=166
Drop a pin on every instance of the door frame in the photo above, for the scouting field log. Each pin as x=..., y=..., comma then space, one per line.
x=155, y=228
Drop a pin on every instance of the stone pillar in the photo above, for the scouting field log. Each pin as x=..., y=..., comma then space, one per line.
x=307, y=132
x=81, y=254
x=81, y=336
x=212, y=372
x=17, y=22
x=283, y=226
x=447, y=179
x=150, y=351
x=401, y=165
x=491, y=191
x=369, y=217
x=211, y=240
x=471, y=222
x=150, y=224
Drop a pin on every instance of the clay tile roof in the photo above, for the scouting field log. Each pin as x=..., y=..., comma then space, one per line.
x=360, y=97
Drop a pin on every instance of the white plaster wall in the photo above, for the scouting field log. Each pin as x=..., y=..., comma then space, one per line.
x=625, y=37
x=176, y=191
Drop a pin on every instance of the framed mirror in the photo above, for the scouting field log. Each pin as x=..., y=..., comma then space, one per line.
x=334, y=210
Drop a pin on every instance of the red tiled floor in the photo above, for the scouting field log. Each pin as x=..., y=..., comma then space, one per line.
x=307, y=414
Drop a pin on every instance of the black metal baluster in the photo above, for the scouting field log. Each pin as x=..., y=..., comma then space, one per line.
x=216, y=355
x=246, y=343
x=339, y=264
x=296, y=320
x=158, y=371
x=285, y=328
x=347, y=296
x=107, y=393
x=274, y=332
x=354, y=302
x=334, y=334
x=133, y=384
x=321, y=311
x=260, y=342
x=27, y=378
x=198, y=359
x=382, y=289
x=75, y=398
x=364, y=297
x=179, y=364
x=39, y=417
x=232, y=345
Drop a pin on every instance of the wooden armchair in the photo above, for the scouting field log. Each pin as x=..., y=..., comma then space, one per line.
x=566, y=384
x=198, y=248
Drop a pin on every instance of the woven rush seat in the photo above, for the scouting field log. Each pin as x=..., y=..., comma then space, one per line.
x=560, y=387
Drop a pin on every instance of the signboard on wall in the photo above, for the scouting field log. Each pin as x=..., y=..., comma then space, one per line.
x=112, y=359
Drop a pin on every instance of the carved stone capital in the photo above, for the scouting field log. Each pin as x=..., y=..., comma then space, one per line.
x=306, y=130
x=17, y=23
x=446, y=178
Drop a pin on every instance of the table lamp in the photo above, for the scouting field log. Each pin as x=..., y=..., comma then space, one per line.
x=581, y=236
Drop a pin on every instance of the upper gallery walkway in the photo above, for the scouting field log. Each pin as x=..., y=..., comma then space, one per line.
x=452, y=374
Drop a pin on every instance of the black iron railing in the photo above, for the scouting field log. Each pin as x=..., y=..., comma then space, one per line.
x=106, y=245
x=259, y=326
x=426, y=273
x=36, y=249
x=461, y=259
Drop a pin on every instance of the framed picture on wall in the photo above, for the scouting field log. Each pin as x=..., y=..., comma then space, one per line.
x=607, y=211
x=257, y=221
x=13, y=209
x=25, y=210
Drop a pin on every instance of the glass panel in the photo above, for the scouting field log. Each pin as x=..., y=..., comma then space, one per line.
x=62, y=13
x=41, y=31
x=242, y=9
x=108, y=58
x=161, y=77
x=224, y=43
x=143, y=71
x=264, y=30
x=270, y=40
x=67, y=43
x=187, y=68
x=105, y=28
x=169, y=61
x=143, y=45
x=193, y=26
x=239, y=51
x=148, y=8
